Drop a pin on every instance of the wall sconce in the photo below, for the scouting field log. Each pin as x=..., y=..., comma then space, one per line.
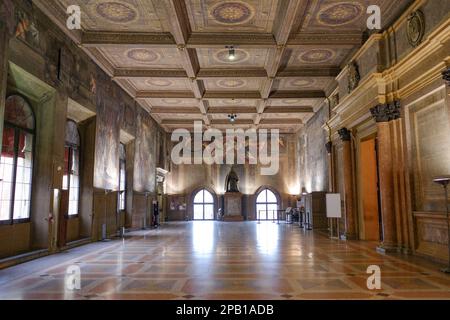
x=232, y=117
x=304, y=192
x=231, y=53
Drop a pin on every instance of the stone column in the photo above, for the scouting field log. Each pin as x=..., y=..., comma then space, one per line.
x=350, y=223
x=384, y=114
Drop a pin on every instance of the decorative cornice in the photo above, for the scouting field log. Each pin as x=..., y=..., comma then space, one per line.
x=386, y=112
x=345, y=134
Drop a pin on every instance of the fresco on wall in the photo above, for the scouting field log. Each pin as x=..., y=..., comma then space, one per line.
x=107, y=138
x=145, y=160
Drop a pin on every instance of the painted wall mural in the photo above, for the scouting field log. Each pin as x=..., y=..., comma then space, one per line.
x=145, y=156
x=106, y=171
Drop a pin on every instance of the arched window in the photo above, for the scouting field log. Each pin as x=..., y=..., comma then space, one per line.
x=266, y=205
x=71, y=178
x=122, y=177
x=203, y=205
x=16, y=163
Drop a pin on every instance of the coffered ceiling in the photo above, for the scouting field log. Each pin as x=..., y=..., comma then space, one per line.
x=171, y=55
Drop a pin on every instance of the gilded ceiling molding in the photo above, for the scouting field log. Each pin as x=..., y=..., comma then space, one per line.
x=386, y=112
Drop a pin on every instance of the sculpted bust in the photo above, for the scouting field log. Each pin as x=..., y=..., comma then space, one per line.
x=232, y=182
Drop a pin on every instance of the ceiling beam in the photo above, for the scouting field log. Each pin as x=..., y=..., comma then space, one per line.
x=176, y=110
x=275, y=110
x=105, y=38
x=314, y=39
x=220, y=40
x=148, y=73
x=274, y=122
x=231, y=73
x=164, y=94
x=298, y=95
x=309, y=72
x=232, y=95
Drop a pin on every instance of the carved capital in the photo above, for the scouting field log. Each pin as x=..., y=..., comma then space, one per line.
x=446, y=76
x=345, y=134
x=329, y=147
x=386, y=112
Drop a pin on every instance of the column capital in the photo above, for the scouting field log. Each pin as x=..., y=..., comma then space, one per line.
x=446, y=76
x=386, y=112
x=329, y=147
x=345, y=134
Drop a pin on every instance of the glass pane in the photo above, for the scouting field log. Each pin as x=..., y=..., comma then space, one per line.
x=198, y=212
x=199, y=197
x=22, y=195
x=272, y=211
x=75, y=162
x=209, y=212
x=74, y=194
x=72, y=135
x=18, y=112
x=271, y=197
x=208, y=197
x=66, y=169
x=122, y=152
x=6, y=173
x=261, y=211
x=262, y=197
x=122, y=181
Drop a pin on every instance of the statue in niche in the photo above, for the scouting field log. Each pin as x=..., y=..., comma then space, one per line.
x=232, y=182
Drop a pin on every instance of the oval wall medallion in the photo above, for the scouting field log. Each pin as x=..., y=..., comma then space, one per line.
x=340, y=13
x=415, y=28
x=234, y=12
x=116, y=12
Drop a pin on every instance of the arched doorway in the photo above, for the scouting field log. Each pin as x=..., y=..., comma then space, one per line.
x=203, y=205
x=267, y=204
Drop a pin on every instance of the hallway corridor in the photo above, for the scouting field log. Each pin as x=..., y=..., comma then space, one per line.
x=213, y=260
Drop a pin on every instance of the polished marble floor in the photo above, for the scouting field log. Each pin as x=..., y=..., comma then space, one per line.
x=214, y=260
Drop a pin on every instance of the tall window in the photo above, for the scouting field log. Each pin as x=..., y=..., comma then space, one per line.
x=16, y=162
x=71, y=178
x=122, y=178
x=266, y=205
x=203, y=206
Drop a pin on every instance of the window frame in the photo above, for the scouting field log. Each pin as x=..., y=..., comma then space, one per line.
x=17, y=129
x=266, y=204
x=124, y=191
x=203, y=204
x=72, y=147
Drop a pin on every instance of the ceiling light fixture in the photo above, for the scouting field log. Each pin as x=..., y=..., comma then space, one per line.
x=231, y=53
x=232, y=117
